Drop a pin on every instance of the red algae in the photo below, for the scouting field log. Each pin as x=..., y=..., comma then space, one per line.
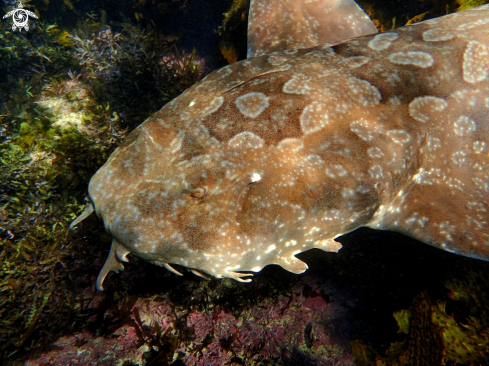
x=278, y=330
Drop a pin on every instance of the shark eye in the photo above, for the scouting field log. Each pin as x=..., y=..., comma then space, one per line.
x=199, y=192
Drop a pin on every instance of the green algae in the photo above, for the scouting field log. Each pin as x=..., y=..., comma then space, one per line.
x=464, y=318
x=45, y=165
x=467, y=4
x=43, y=174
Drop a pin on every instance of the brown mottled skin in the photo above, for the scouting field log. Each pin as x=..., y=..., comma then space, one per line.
x=282, y=153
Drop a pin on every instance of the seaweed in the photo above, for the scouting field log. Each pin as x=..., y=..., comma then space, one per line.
x=72, y=97
x=467, y=4
x=233, y=31
x=43, y=172
x=453, y=329
x=135, y=70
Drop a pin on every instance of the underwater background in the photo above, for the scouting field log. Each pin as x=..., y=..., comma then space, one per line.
x=83, y=76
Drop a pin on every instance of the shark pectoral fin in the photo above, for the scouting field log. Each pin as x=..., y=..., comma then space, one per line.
x=113, y=262
x=293, y=24
x=86, y=212
x=448, y=212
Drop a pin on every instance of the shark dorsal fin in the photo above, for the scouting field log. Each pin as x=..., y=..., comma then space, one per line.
x=276, y=25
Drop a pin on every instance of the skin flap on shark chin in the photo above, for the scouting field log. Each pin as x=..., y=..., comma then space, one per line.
x=285, y=151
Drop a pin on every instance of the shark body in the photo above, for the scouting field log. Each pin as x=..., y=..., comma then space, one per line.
x=287, y=150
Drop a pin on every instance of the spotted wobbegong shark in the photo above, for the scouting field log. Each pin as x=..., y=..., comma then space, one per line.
x=328, y=126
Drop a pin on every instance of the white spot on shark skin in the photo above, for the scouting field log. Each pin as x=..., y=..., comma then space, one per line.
x=252, y=104
x=331, y=215
x=393, y=79
x=375, y=152
x=316, y=53
x=291, y=51
x=362, y=129
x=213, y=106
x=299, y=84
x=479, y=146
x=282, y=67
x=382, y=41
x=416, y=219
x=357, y=61
x=314, y=161
x=225, y=71
x=277, y=59
x=290, y=144
x=434, y=143
x=476, y=62
x=255, y=177
x=416, y=58
x=395, y=101
x=347, y=192
x=481, y=184
x=418, y=176
x=290, y=243
x=459, y=158
x=473, y=24
x=314, y=117
x=422, y=108
x=271, y=248
x=399, y=136
x=464, y=125
x=363, y=91
x=336, y=170
x=246, y=140
x=437, y=35
x=376, y=172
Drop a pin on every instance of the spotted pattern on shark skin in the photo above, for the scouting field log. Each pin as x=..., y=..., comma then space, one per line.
x=281, y=153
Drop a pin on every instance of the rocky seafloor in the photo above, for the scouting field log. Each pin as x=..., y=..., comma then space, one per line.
x=347, y=309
